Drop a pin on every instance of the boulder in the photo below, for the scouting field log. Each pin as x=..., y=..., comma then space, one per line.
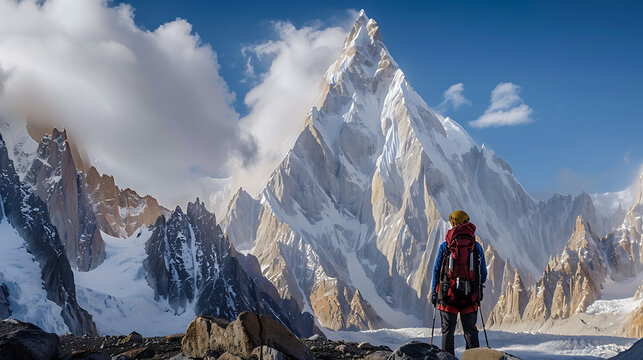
x=140, y=353
x=486, y=354
x=415, y=350
x=241, y=337
x=133, y=337
x=378, y=355
x=366, y=346
x=268, y=353
x=19, y=340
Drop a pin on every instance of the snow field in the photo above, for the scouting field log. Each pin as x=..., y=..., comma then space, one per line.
x=22, y=275
x=118, y=296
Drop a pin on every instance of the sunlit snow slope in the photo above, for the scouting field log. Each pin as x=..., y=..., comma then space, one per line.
x=118, y=296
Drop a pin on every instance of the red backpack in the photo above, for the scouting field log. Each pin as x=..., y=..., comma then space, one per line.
x=460, y=269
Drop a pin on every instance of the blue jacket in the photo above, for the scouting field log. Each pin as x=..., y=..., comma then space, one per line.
x=438, y=261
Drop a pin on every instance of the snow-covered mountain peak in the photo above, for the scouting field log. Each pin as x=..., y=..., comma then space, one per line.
x=360, y=202
x=60, y=137
x=363, y=50
x=459, y=138
x=582, y=236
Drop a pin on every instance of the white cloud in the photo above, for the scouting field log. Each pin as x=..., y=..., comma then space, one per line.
x=453, y=98
x=290, y=86
x=149, y=107
x=3, y=77
x=506, y=108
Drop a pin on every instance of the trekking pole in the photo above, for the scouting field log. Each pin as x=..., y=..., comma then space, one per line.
x=433, y=326
x=483, y=328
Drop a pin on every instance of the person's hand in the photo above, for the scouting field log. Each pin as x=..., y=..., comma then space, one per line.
x=434, y=299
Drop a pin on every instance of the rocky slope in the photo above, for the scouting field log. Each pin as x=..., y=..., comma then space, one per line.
x=55, y=178
x=190, y=263
x=572, y=280
x=360, y=201
x=82, y=203
x=512, y=302
x=575, y=279
x=120, y=212
x=44, y=275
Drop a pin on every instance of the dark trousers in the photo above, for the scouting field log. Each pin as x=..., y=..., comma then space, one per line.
x=449, y=322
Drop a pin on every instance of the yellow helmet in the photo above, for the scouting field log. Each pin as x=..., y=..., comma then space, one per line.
x=458, y=217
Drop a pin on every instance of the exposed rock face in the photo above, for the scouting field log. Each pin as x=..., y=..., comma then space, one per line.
x=5, y=311
x=82, y=204
x=55, y=178
x=28, y=215
x=241, y=337
x=190, y=262
x=19, y=340
x=302, y=324
x=119, y=212
x=571, y=281
x=497, y=278
x=242, y=220
x=511, y=304
x=625, y=244
x=634, y=323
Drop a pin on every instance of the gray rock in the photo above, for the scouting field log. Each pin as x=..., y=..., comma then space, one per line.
x=417, y=350
x=5, y=312
x=268, y=353
x=19, y=340
x=54, y=176
x=241, y=337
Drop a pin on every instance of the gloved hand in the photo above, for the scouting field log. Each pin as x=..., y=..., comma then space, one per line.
x=434, y=299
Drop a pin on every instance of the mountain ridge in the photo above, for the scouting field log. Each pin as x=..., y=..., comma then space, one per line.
x=375, y=171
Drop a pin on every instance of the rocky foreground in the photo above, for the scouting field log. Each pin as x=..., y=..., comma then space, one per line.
x=250, y=336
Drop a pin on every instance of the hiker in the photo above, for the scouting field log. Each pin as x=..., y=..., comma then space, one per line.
x=458, y=274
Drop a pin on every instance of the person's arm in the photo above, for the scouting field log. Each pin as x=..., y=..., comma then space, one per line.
x=436, y=267
x=483, y=264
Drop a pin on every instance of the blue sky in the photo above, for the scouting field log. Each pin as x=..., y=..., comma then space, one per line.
x=579, y=66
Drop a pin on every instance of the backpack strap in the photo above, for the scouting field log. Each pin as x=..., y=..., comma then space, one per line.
x=445, y=254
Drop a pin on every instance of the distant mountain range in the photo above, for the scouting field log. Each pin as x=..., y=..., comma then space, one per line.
x=343, y=236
